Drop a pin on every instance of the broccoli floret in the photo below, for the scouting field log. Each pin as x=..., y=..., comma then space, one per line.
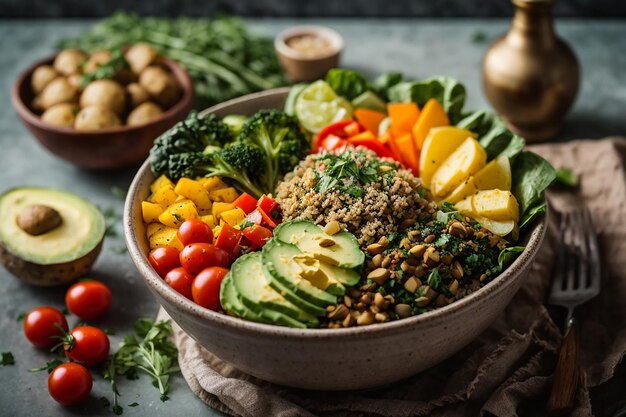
x=281, y=140
x=193, y=135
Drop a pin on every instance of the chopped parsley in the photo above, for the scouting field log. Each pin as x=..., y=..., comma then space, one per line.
x=6, y=358
x=350, y=171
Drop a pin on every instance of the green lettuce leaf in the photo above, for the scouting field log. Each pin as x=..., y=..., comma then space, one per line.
x=347, y=83
x=531, y=176
x=508, y=255
x=385, y=81
x=493, y=134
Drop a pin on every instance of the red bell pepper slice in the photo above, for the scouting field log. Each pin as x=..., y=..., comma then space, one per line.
x=332, y=143
x=353, y=129
x=229, y=238
x=368, y=140
x=337, y=129
x=258, y=235
x=246, y=202
x=267, y=204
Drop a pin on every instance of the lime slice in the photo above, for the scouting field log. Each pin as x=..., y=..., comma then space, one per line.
x=318, y=106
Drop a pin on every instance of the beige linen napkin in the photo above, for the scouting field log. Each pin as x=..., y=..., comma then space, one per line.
x=507, y=370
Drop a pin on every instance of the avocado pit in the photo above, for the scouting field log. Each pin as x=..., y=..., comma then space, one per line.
x=38, y=219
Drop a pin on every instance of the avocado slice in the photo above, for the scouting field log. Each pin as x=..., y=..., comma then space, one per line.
x=256, y=294
x=278, y=261
x=48, y=236
x=307, y=236
x=229, y=299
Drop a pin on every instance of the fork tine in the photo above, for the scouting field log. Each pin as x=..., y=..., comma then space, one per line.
x=582, y=249
x=560, y=264
x=570, y=243
x=595, y=274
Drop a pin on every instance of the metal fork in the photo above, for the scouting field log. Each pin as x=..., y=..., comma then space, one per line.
x=576, y=280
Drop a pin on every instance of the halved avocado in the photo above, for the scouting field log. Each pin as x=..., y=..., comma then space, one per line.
x=308, y=237
x=48, y=236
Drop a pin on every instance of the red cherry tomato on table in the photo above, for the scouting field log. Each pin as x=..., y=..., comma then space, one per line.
x=180, y=280
x=258, y=235
x=197, y=256
x=44, y=326
x=89, y=300
x=194, y=231
x=228, y=239
x=69, y=383
x=87, y=345
x=206, y=287
x=164, y=259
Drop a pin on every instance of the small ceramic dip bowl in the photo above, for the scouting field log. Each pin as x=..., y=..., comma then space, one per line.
x=308, y=52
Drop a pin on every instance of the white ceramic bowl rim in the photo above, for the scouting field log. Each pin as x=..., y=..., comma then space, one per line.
x=537, y=234
x=280, y=43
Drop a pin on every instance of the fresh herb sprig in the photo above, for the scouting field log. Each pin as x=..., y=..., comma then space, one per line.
x=350, y=171
x=107, y=70
x=149, y=350
x=6, y=358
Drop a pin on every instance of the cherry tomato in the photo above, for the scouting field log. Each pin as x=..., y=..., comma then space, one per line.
x=164, y=259
x=206, y=287
x=245, y=202
x=194, y=231
x=69, y=383
x=258, y=235
x=87, y=345
x=40, y=326
x=197, y=256
x=180, y=280
x=89, y=300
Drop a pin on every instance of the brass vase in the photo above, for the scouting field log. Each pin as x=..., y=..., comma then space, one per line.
x=530, y=76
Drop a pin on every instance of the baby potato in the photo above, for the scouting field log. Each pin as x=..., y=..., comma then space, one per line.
x=96, y=59
x=136, y=94
x=143, y=113
x=57, y=91
x=60, y=115
x=75, y=81
x=161, y=85
x=41, y=77
x=69, y=61
x=140, y=56
x=104, y=93
x=95, y=118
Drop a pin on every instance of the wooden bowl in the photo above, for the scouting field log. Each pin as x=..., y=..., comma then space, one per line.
x=325, y=359
x=100, y=149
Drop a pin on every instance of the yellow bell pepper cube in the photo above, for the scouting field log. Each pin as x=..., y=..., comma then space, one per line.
x=154, y=228
x=194, y=191
x=151, y=211
x=161, y=182
x=225, y=195
x=234, y=217
x=218, y=208
x=178, y=212
x=212, y=183
x=164, y=195
x=165, y=237
x=209, y=220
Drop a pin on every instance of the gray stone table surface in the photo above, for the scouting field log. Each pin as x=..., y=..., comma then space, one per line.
x=418, y=48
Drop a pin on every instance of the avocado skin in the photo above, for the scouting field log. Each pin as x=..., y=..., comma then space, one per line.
x=48, y=275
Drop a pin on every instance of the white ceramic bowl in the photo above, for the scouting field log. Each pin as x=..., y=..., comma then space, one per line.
x=325, y=359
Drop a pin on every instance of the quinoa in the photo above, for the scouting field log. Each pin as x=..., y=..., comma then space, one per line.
x=386, y=205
